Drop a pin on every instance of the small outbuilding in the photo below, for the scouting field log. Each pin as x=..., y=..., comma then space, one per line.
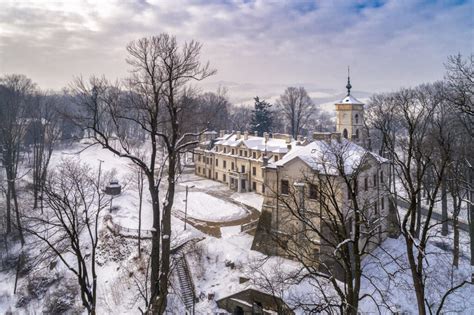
x=254, y=302
x=113, y=188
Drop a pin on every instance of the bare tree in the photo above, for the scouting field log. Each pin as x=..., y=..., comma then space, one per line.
x=459, y=92
x=16, y=91
x=240, y=118
x=460, y=86
x=297, y=108
x=69, y=224
x=160, y=71
x=421, y=147
x=41, y=135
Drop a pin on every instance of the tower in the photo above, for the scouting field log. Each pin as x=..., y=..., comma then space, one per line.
x=350, y=115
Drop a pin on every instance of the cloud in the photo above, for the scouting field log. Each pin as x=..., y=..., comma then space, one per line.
x=387, y=43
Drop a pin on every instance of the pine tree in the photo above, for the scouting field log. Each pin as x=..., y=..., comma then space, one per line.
x=262, y=119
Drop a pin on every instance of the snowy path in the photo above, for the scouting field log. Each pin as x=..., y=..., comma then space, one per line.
x=463, y=225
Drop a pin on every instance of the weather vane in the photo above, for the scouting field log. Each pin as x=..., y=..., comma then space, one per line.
x=348, y=86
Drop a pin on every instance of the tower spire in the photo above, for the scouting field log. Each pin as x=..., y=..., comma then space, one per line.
x=348, y=86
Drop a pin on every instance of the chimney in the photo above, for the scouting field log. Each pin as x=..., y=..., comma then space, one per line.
x=246, y=135
x=265, y=135
x=221, y=133
x=336, y=136
x=238, y=135
x=321, y=136
x=288, y=139
x=255, y=133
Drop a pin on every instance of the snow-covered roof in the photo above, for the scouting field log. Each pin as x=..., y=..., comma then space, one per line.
x=349, y=99
x=273, y=145
x=323, y=156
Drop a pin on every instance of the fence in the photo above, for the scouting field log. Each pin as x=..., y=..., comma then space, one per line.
x=124, y=231
x=249, y=226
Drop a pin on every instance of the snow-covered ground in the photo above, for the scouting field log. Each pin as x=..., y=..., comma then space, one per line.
x=251, y=199
x=217, y=263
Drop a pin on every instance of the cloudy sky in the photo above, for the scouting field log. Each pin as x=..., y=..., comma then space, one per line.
x=388, y=44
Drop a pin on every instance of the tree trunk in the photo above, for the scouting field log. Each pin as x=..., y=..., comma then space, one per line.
x=155, y=244
x=166, y=235
x=471, y=217
x=444, y=208
x=140, y=201
x=9, y=210
x=418, y=215
x=417, y=280
x=17, y=211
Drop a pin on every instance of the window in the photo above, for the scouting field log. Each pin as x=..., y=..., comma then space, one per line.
x=357, y=133
x=285, y=187
x=254, y=155
x=382, y=203
x=263, y=188
x=344, y=133
x=254, y=171
x=217, y=176
x=225, y=150
x=276, y=158
x=242, y=168
x=366, y=184
x=381, y=177
x=225, y=163
x=199, y=170
x=217, y=162
x=199, y=158
x=232, y=166
x=375, y=180
x=313, y=191
x=254, y=186
x=223, y=177
x=245, y=153
x=376, y=210
x=356, y=118
x=240, y=152
x=233, y=151
x=242, y=184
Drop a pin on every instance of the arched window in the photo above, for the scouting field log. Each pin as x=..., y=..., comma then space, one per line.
x=344, y=133
x=356, y=118
x=357, y=133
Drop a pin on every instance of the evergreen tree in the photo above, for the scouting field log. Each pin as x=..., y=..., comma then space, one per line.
x=262, y=119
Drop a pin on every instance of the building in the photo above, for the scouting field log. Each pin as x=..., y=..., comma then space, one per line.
x=236, y=158
x=306, y=182
x=308, y=179
x=252, y=301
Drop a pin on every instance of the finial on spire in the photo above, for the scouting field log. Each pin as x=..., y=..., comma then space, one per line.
x=348, y=86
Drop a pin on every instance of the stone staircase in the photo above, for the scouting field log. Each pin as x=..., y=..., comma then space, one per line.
x=186, y=284
x=188, y=293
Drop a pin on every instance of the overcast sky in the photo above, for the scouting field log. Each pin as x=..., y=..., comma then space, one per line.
x=388, y=44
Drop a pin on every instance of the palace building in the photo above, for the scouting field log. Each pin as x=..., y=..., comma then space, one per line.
x=310, y=174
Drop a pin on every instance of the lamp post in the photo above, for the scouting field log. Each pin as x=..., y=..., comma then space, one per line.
x=186, y=205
